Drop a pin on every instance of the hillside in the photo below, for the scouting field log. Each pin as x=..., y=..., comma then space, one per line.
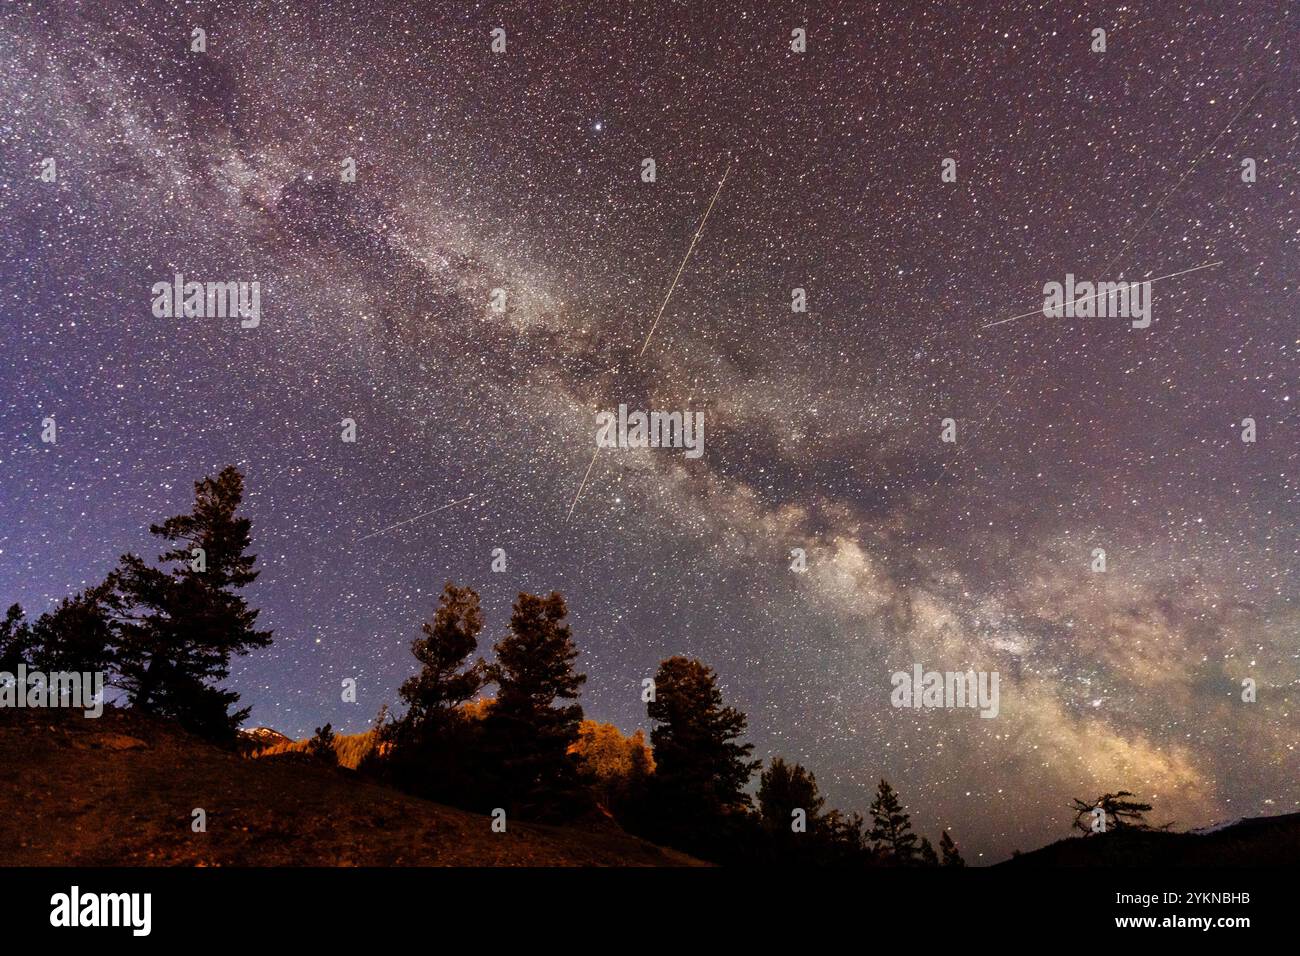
x=1256, y=841
x=121, y=790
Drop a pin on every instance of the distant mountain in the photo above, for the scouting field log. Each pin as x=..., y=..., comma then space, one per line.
x=121, y=790
x=259, y=737
x=1253, y=841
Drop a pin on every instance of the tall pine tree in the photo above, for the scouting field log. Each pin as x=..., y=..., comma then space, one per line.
x=696, y=747
x=696, y=796
x=447, y=678
x=948, y=850
x=926, y=855
x=529, y=728
x=790, y=807
x=183, y=621
x=891, y=828
x=433, y=745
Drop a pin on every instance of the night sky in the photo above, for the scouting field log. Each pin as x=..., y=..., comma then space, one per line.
x=522, y=171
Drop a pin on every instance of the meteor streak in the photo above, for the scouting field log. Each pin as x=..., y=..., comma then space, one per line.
x=416, y=518
x=691, y=248
x=1172, y=275
x=659, y=315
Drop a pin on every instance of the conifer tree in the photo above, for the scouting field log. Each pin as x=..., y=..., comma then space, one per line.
x=784, y=788
x=321, y=746
x=845, y=839
x=948, y=850
x=530, y=728
x=447, y=678
x=891, y=828
x=926, y=855
x=79, y=634
x=696, y=799
x=697, y=754
x=16, y=641
x=433, y=745
x=790, y=808
x=182, y=621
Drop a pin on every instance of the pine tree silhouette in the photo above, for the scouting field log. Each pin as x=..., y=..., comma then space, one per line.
x=696, y=796
x=529, y=729
x=948, y=851
x=79, y=634
x=926, y=855
x=446, y=679
x=434, y=744
x=784, y=788
x=16, y=640
x=695, y=742
x=321, y=746
x=182, y=622
x=891, y=827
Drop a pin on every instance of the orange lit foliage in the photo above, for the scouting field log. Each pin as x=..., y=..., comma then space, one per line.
x=613, y=765
x=477, y=709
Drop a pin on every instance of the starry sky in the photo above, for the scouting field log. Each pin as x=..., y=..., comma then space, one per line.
x=522, y=171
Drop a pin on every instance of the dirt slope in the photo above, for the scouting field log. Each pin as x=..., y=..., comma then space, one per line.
x=120, y=790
